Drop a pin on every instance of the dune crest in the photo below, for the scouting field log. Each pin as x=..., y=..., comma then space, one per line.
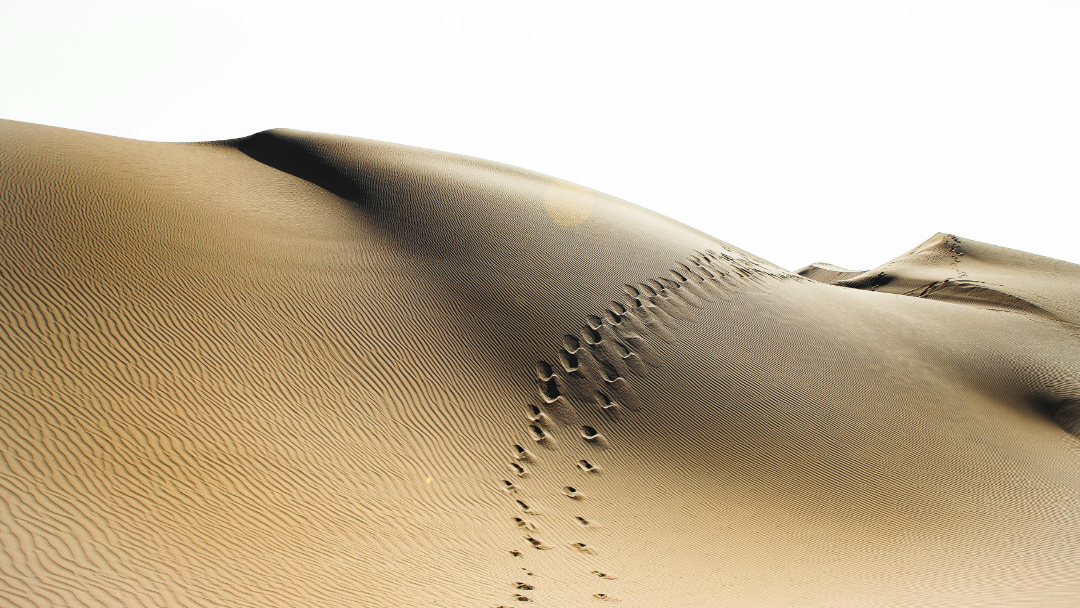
x=297, y=369
x=950, y=269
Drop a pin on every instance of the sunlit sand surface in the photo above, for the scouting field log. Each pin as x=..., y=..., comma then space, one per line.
x=308, y=370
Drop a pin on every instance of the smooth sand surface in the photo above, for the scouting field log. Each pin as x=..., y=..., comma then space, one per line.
x=307, y=370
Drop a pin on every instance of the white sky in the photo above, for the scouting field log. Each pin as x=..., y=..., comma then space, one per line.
x=844, y=132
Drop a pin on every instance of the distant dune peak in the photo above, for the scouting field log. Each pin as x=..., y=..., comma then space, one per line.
x=950, y=269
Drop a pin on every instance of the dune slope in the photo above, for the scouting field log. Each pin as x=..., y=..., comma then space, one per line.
x=965, y=271
x=307, y=370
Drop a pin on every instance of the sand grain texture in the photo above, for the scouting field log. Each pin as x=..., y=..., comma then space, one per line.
x=306, y=370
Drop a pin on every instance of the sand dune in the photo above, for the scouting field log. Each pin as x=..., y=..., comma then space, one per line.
x=306, y=370
x=964, y=271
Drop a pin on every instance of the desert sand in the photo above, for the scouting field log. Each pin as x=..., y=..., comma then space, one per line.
x=297, y=369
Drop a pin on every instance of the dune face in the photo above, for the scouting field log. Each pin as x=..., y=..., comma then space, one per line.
x=964, y=271
x=304, y=370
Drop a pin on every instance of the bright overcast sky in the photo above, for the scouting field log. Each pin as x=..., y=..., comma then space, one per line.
x=844, y=132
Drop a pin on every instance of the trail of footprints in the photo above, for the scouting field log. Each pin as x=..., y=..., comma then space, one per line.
x=590, y=375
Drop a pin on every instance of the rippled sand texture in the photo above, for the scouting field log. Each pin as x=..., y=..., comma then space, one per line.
x=306, y=370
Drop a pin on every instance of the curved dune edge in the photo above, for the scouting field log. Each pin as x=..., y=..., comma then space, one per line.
x=950, y=269
x=297, y=369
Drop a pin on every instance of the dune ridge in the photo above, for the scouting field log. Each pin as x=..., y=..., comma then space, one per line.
x=951, y=269
x=297, y=369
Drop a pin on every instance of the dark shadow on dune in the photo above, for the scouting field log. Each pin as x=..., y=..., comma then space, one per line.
x=1065, y=412
x=978, y=294
x=296, y=159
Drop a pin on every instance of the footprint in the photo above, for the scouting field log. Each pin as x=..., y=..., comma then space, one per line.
x=680, y=292
x=523, y=586
x=604, y=596
x=516, y=553
x=726, y=282
x=522, y=598
x=673, y=309
x=525, y=524
x=657, y=320
x=583, y=548
x=590, y=336
x=519, y=470
x=713, y=284
x=569, y=361
x=527, y=509
x=537, y=416
x=537, y=543
x=618, y=315
x=692, y=282
x=611, y=374
x=573, y=493
x=551, y=392
x=624, y=326
x=603, y=575
x=665, y=311
x=588, y=467
x=576, y=373
x=612, y=350
x=629, y=358
x=685, y=273
x=524, y=455
x=624, y=393
x=543, y=437
x=544, y=370
x=548, y=381
x=648, y=315
x=608, y=406
x=631, y=331
x=571, y=344
x=614, y=313
x=586, y=523
x=550, y=388
x=594, y=437
x=509, y=487
x=588, y=365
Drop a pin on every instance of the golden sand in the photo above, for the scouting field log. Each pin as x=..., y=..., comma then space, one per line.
x=306, y=370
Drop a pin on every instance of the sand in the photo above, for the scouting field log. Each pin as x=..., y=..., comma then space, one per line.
x=306, y=370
